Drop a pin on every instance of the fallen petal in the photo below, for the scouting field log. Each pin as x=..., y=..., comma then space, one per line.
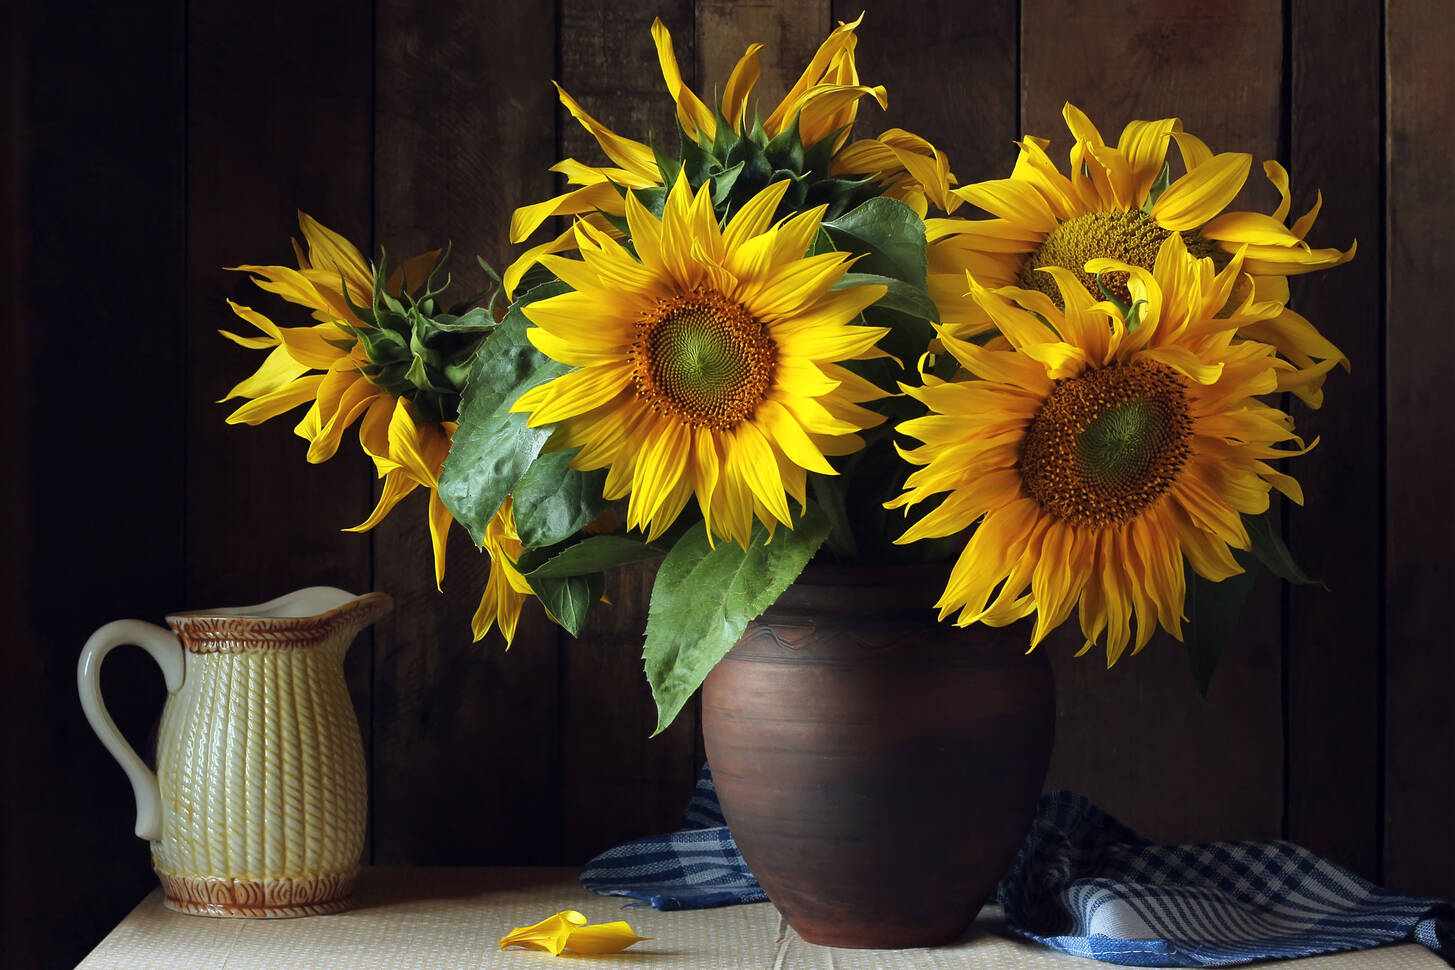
x=603, y=938
x=550, y=934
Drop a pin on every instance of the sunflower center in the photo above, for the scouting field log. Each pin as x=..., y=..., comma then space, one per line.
x=703, y=358
x=1106, y=444
x=1132, y=237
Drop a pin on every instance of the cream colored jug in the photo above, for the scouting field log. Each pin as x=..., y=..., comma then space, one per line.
x=257, y=804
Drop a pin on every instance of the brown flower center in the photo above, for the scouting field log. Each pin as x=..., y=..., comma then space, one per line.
x=703, y=358
x=1106, y=444
x=1132, y=237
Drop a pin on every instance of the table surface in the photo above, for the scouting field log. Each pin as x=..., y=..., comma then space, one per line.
x=452, y=918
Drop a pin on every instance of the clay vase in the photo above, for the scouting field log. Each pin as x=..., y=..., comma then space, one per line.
x=878, y=770
x=257, y=804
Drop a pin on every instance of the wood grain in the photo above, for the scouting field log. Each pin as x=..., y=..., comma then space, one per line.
x=277, y=121
x=1333, y=646
x=466, y=753
x=167, y=140
x=950, y=70
x=92, y=449
x=1420, y=450
x=790, y=32
x=1138, y=739
x=623, y=782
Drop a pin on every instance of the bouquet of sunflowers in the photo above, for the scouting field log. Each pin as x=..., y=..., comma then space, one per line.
x=772, y=343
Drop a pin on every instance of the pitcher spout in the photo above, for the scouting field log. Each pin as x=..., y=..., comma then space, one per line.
x=319, y=613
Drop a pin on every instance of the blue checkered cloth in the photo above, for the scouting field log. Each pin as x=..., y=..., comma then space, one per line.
x=1087, y=885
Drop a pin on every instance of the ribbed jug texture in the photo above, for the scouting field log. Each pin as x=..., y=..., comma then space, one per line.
x=260, y=779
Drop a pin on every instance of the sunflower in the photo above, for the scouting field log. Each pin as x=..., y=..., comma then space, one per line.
x=1108, y=444
x=408, y=451
x=331, y=279
x=1117, y=203
x=823, y=103
x=708, y=364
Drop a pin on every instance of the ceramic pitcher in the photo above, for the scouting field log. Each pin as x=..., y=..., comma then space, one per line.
x=257, y=804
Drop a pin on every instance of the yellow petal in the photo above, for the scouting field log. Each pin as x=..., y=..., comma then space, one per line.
x=525, y=220
x=630, y=155
x=1249, y=227
x=274, y=403
x=754, y=217
x=1015, y=201
x=397, y=484
x=439, y=534
x=603, y=938
x=751, y=460
x=513, y=273
x=574, y=393
x=740, y=84
x=1144, y=143
x=550, y=934
x=780, y=427
x=331, y=251
x=1202, y=193
x=692, y=114
x=277, y=371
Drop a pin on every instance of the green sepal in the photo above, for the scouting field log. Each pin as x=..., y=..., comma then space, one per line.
x=1158, y=187
x=785, y=150
x=1212, y=611
x=493, y=448
x=722, y=184
x=668, y=166
x=419, y=375
x=1273, y=553
x=653, y=199
x=553, y=501
x=704, y=598
x=725, y=139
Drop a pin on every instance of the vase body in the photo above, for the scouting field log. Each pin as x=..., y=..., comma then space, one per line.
x=259, y=789
x=878, y=770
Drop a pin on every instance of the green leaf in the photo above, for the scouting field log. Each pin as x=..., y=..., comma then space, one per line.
x=553, y=501
x=492, y=447
x=1212, y=616
x=475, y=321
x=1271, y=552
x=900, y=297
x=890, y=233
x=594, y=554
x=569, y=598
x=704, y=598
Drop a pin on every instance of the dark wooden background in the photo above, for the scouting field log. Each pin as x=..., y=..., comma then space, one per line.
x=148, y=144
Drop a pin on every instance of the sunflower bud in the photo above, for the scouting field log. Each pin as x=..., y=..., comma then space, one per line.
x=417, y=349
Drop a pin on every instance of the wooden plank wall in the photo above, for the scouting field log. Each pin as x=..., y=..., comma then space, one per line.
x=175, y=137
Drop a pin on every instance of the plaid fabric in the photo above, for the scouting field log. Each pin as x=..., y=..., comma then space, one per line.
x=695, y=868
x=1087, y=885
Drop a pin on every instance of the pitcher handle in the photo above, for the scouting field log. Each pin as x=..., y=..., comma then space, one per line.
x=166, y=650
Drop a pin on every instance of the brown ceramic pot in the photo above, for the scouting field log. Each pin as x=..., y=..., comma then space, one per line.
x=878, y=769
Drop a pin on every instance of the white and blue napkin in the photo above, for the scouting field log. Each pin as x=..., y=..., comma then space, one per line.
x=1086, y=885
